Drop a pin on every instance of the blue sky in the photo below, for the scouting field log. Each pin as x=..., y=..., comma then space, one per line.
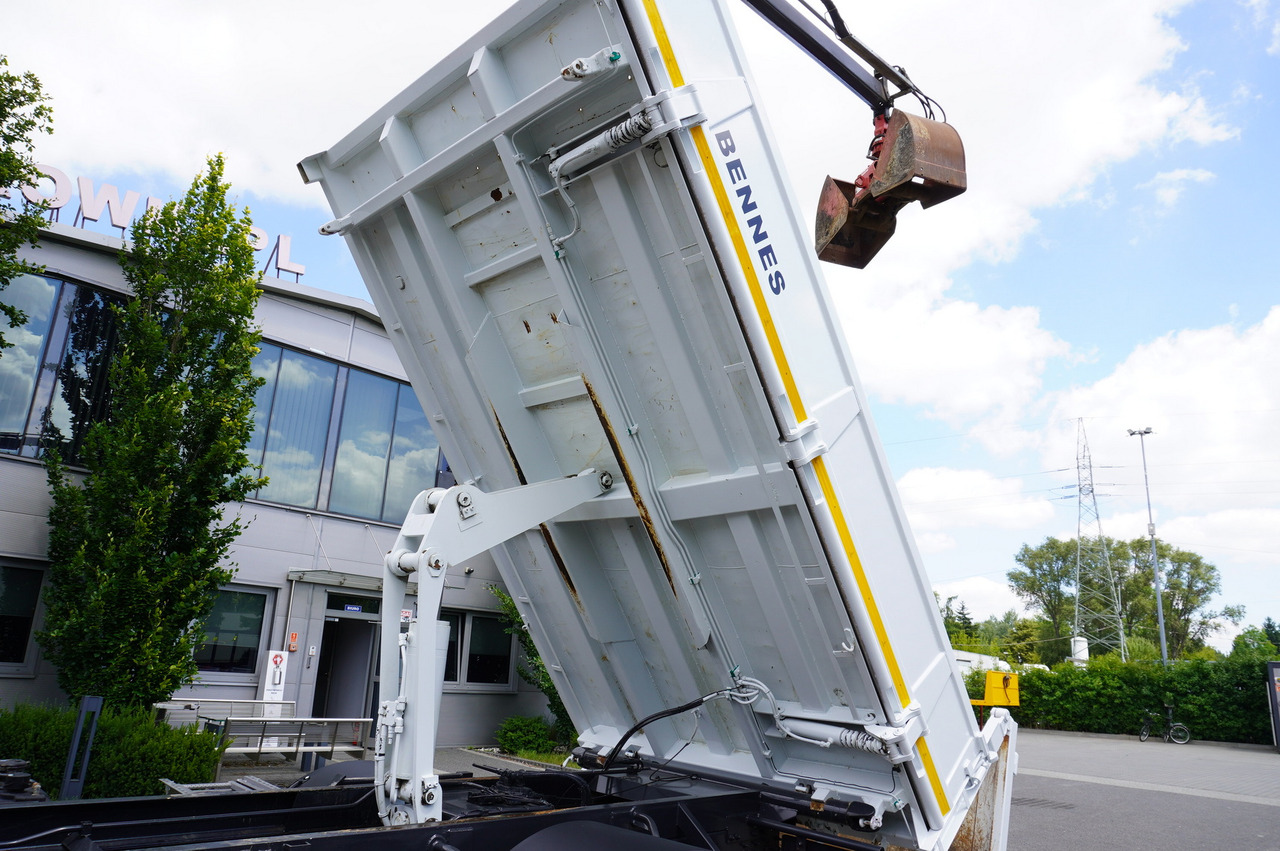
x=1112, y=260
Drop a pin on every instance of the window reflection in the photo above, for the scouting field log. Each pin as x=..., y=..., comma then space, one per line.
x=83, y=395
x=385, y=453
x=360, y=471
x=413, y=456
x=298, y=429
x=20, y=363
x=233, y=633
x=266, y=365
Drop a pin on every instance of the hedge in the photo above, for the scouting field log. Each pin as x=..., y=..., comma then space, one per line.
x=1222, y=701
x=524, y=733
x=131, y=750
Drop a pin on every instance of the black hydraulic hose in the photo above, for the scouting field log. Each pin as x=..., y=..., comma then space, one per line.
x=665, y=713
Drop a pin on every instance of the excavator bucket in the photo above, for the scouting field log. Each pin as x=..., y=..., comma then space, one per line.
x=919, y=160
x=851, y=226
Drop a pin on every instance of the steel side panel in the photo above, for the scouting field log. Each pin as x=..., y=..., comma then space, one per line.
x=679, y=336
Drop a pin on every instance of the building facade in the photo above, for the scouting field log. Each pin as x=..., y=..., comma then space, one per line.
x=345, y=445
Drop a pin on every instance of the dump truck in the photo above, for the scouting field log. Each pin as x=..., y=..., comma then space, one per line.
x=579, y=233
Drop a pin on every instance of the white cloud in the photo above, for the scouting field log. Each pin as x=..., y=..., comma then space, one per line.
x=1246, y=535
x=1210, y=395
x=932, y=543
x=939, y=499
x=1168, y=186
x=983, y=597
x=167, y=84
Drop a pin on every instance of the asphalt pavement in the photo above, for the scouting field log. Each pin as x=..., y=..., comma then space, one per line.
x=1084, y=792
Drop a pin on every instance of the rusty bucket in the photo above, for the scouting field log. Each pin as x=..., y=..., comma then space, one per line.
x=920, y=160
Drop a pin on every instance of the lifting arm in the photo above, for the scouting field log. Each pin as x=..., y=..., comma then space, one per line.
x=443, y=527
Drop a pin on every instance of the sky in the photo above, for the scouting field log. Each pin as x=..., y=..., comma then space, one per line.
x=1111, y=266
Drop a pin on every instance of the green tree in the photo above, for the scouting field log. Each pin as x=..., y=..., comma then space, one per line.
x=1022, y=644
x=533, y=670
x=137, y=554
x=1189, y=584
x=1253, y=645
x=1272, y=631
x=24, y=112
x=1046, y=581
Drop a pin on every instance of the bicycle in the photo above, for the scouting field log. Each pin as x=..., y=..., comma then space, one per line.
x=1176, y=733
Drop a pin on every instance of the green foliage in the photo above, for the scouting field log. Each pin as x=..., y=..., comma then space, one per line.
x=24, y=112
x=1272, y=630
x=1142, y=649
x=533, y=670
x=1189, y=584
x=131, y=751
x=1253, y=645
x=1046, y=581
x=1023, y=643
x=524, y=733
x=138, y=553
x=1218, y=701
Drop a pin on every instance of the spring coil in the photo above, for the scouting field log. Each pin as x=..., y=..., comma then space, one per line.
x=861, y=740
x=629, y=131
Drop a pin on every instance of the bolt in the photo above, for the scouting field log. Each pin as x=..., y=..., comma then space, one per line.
x=464, y=499
x=606, y=480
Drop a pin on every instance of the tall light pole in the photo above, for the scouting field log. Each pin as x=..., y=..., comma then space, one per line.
x=1151, y=530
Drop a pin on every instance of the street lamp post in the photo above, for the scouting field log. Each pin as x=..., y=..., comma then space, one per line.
x=1151, y=530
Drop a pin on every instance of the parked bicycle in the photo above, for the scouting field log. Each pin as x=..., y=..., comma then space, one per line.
x=1171, y=732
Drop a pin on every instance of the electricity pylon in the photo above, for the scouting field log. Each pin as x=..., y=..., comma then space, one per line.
x=1097, y=612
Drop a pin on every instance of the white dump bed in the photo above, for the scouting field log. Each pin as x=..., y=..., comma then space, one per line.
x=656, y=311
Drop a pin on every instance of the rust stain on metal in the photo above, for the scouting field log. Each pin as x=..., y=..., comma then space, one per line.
x=977, y=829
x=506, y=444
x=560, y=566
x=643, y=509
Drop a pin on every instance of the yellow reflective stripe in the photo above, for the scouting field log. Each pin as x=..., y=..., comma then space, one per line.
x=934, y=780
x=749, y=272
x=664, y=43
x=711, y=168
x=860, y=576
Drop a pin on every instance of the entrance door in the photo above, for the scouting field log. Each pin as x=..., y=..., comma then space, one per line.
x=344, y=673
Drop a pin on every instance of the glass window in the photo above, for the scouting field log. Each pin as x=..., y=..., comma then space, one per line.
x=452, y=662
x=83, y=395
x=233, y=633
x=360, y=471
x=20, y=363
x=298, y=429
x=488, y=650
x=266, y=365
x=19, y=592
x=414, y=452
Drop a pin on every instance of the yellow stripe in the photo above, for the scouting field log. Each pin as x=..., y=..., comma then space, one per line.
x=934, y=780
x=664, y=43
x=709, y=164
